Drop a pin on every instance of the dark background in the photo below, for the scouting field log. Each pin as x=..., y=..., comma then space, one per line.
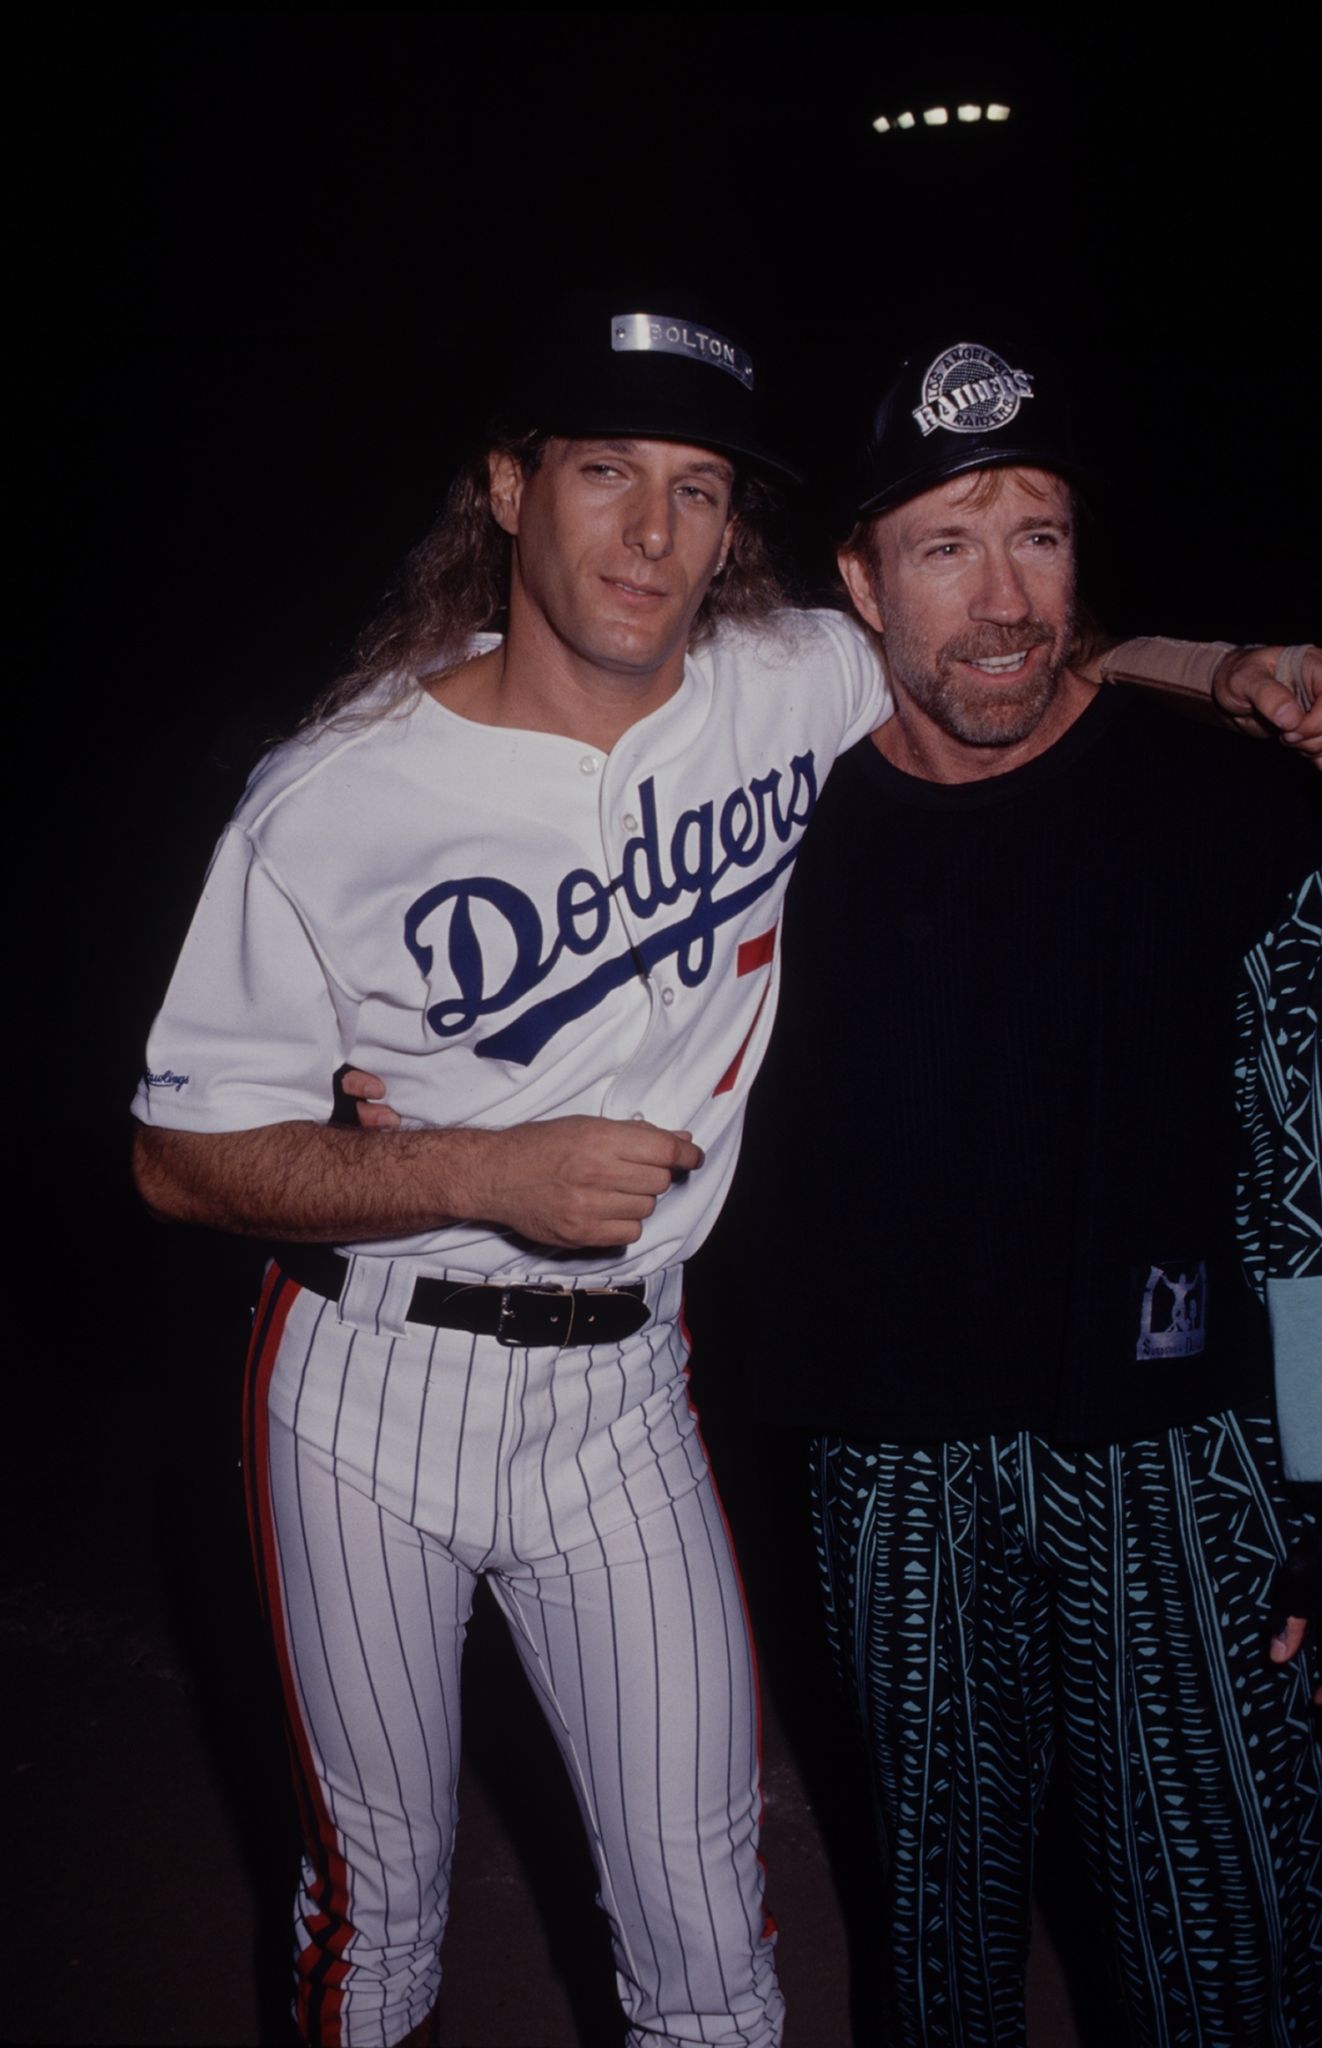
x=274, y=254
x=264, y=262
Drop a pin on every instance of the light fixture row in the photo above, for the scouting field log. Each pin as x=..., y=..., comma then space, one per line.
x=939, y=117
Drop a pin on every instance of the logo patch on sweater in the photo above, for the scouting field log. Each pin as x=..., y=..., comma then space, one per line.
x=1173, y=1311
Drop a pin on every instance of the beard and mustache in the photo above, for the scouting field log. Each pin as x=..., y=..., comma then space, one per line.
x=981, y=711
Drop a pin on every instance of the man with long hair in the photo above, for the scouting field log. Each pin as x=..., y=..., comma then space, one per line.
x=531, y=878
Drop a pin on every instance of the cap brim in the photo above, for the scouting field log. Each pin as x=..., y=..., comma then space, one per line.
x=929, y=478
x=660, y=422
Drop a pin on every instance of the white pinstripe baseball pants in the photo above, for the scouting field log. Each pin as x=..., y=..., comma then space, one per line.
x=386, y=1471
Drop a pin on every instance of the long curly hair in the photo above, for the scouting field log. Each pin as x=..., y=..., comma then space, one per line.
x=456, y=583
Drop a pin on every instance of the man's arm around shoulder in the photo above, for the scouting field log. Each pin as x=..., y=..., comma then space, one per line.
x=1258, y=689
x=570, y=1182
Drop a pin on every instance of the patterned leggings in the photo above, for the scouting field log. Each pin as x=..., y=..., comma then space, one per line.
x=984, y=1598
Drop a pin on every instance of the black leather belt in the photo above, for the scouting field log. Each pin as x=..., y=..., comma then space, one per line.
x=513, y=1315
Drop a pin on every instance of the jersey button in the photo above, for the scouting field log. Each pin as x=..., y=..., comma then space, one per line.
x=629, y=822
x=589, y=764
x=667, y=996
x=637, y=1117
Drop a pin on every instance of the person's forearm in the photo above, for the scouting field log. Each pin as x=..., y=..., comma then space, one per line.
x=1186, y=665
x=571, y=1182
x=1259, y=690
x=309, y=1181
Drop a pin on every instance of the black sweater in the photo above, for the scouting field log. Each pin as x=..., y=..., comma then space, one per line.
x=988, y=1182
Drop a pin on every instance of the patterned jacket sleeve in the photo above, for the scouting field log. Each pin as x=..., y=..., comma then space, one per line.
x=1279, y=1097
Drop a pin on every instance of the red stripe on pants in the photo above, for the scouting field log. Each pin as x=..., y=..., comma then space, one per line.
x=321, y=1966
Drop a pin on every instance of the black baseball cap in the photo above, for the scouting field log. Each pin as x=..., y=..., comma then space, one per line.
x=953, y=406
x=611, y=363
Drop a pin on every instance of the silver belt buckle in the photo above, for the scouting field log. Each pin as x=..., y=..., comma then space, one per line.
x=508, y=1330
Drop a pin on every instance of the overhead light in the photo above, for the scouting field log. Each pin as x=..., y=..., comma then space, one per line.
x=940, y=117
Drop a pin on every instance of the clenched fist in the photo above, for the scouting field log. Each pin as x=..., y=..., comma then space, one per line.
x=577, y=1181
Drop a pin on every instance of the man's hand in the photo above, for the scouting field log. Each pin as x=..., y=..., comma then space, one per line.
x=1288, y=1642
x=368, y=1092
x=1297, y=1583
x=1274, y=689
x=572, y=1181
x=579, y=1181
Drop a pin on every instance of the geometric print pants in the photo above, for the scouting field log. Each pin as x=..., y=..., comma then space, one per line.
x=390, y=1466
x=989, y=1601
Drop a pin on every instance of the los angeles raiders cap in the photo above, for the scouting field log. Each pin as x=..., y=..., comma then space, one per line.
x=600, y=363
x=953, y=406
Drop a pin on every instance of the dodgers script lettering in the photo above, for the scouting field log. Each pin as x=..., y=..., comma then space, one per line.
x=707, y=845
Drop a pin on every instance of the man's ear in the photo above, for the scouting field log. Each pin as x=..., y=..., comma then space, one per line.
x=857, y=574
x=506, y=481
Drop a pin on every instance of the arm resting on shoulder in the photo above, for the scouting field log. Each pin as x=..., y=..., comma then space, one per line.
x=570, y=1182
x=1277, y=688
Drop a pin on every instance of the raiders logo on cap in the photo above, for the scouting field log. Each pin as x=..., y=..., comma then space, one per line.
x=971, y=407
x=971, y=390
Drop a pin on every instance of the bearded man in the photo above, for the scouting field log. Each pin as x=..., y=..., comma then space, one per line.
x=1009, y=1306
